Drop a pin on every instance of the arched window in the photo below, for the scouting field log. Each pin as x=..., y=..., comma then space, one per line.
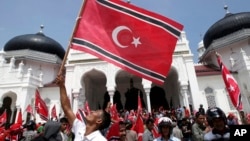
x=210, y=97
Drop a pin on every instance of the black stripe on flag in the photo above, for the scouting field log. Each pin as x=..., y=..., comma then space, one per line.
x=99, y=50
x=145, y=18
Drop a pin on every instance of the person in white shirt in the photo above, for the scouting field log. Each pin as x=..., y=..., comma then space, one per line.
x=94, y=122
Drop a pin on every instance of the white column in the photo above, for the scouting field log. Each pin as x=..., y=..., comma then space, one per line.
x=147, y=91
x=184, y=90
x=75, y=101
x=12, y=114
x=111, y=95
x=193, y=83
x=147, y=86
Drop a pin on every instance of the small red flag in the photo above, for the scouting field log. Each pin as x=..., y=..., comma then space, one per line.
x=53, y=112
x=113, y=131
x=3, y=118
x=155, y=129
x=114, y=113
x=80, y=114
x=41, y=107
x=139, y=108
x=19, y=117
x=29, y=109
x=231, y=85
x=86, y=108
x=137, y=40
x=139, y=127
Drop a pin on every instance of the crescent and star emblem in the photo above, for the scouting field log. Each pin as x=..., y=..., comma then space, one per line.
x=231, y=88
x=117, y=30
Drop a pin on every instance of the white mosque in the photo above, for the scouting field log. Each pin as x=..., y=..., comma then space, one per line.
x=32, y=61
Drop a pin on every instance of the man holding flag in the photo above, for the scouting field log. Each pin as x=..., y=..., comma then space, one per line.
x=95, y=121
x=131, y=41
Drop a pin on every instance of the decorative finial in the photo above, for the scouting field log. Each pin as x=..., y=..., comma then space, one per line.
x=41, y=28
x=128, y=1
x=226, y=9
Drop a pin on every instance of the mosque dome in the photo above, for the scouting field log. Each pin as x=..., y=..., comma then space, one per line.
x=225, y=26
x=36, y=42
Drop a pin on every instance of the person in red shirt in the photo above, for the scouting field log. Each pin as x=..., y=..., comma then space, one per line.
x=187, y=112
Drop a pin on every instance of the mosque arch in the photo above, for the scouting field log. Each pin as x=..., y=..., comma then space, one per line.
x=94, y=82
x=8, y=104
x=166, y=95
x=129, y=86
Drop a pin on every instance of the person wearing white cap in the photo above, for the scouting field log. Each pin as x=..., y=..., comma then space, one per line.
x=165, y=128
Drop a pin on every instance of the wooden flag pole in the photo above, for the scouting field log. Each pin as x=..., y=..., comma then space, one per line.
x=75, y=27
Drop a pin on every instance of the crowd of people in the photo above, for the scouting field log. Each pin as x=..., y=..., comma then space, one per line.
x=178, y=124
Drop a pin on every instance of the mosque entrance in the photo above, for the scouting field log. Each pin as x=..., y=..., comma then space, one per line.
x=128, y=87
x=6, y=107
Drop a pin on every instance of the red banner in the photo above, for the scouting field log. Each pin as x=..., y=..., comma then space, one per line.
x=134, y=39
x=231, y=85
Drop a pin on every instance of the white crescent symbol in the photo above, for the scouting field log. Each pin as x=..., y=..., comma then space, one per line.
x=116, y=32
x=229, y=76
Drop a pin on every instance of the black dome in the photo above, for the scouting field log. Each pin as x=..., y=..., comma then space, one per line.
x=227, y=25
x=37, y=42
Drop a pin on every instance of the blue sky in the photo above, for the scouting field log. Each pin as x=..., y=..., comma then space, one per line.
x=58, y=16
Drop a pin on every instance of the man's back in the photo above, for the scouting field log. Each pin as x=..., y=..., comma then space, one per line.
x=131, y=135
x=177, y=132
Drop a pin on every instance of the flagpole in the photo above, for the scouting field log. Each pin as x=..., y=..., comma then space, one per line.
x=75, y=27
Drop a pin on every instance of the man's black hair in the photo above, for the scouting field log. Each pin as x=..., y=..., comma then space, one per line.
x=64, y=120
x=197, y=114
x=149, y=120
x=106, y=120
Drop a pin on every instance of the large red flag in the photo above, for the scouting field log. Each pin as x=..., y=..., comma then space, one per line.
x=231, y=85
x=134, y=39
x=53, y=112
x=29, y=109
x=41, y=107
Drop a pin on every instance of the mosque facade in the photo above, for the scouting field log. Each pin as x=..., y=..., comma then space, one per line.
x=32, y=61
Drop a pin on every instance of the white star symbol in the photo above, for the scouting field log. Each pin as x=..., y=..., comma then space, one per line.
x=136, y=41
x=231, y=88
